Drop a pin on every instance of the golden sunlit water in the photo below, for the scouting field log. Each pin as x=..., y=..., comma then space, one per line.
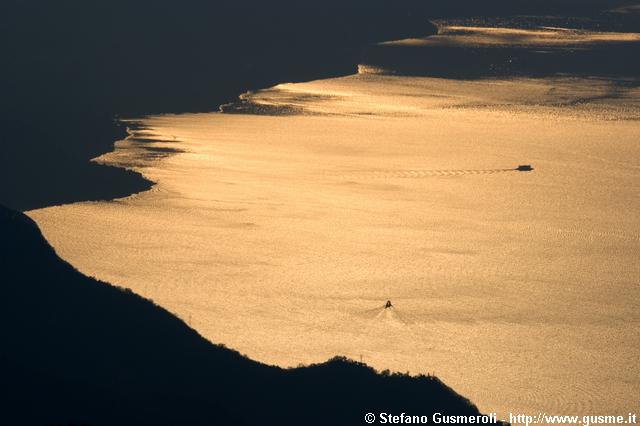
x=282, y=231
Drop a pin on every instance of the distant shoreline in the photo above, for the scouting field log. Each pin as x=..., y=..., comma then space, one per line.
x=81, y=126
x=236, y=104
x=72, y=70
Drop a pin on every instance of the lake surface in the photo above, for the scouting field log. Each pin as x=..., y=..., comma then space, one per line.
x=281, y=228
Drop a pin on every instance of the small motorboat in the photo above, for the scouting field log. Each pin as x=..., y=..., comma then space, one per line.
x=524, y=168
x=388, y=304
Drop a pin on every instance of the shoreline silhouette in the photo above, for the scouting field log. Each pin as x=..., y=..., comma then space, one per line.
x=80, y=351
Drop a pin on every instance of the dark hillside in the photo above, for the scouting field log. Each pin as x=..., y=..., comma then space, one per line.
x=75, y=350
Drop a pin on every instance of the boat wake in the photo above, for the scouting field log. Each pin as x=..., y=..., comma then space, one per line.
x=422, y=173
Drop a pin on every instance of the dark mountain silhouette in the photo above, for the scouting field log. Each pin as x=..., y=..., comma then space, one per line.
x=78, y=351
x=70, y=66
